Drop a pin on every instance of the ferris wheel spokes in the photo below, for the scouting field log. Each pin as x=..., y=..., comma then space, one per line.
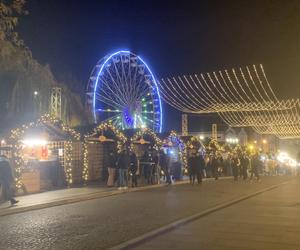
x=125, y=92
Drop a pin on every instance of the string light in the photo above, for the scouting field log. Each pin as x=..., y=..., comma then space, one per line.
x=121, y=140
x=242, y=98
x=16, y=138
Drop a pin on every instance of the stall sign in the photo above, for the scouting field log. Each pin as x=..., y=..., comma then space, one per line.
x=102, y=138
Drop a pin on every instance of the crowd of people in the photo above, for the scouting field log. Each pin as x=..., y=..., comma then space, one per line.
x=241, y=165
x=125, y=167
x=155, y=166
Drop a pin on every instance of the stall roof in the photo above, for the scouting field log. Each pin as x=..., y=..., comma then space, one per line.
x=54, y=129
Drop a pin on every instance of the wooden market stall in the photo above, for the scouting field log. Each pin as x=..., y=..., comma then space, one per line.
x=46, y=155
x=143, y=142
x=175, y=148
x=97, y=146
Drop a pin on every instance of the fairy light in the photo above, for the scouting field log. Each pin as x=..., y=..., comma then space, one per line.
x=121, y=140
x=17, y=139
x=241, y=97
x=140, y=135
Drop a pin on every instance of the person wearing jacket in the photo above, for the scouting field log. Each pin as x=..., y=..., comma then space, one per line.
x=200, y=167
x=215, y=166
x=123, y=163
x=7, y=180
x=133, y=168
x=164, y=165
x=255, y=164
x=111, y=168
x=244, y=166
x=192, y=167
x=235, y=166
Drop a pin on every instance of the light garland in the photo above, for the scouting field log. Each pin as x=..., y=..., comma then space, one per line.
x=146, y=131
x=16, y=139
x=121, y=140
x=242, y=98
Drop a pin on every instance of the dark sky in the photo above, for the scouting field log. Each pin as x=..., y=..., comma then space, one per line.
x=174, y=38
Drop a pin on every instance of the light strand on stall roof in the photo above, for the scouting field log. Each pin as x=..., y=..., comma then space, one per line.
x=146, y=131
x=121, y=140
x=16, y=136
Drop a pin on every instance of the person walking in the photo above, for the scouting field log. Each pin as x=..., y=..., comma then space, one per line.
x=228, y=165
x=215, y=166
x=200, y=167
x=245, y=165
x=111, y=163
x=146, y=159
x=133, y=168
x=7, y=180
x=255, y=163
x=192, y=166
x=235, y=166
x=123, y=163
x=164, y=165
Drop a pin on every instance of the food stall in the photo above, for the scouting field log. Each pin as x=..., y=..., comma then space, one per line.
x=142, y=142
x=45, y=155
x=175, y=148
x=97, y=146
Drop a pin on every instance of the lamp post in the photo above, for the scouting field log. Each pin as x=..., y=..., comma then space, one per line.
x=37, y=103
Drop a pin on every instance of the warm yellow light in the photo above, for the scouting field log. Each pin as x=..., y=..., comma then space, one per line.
x=264, y=141
x=34, y=142
x=251, y=147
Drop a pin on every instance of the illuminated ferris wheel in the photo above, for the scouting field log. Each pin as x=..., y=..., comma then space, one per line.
x=123, y=90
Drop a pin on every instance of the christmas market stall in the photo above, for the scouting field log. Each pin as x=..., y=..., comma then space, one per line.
x=46, y=155
x=175, y=148
x=105, y=139
x=146, y=144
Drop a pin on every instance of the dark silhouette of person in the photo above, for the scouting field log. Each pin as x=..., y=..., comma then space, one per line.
x=7, y=179
x=133, y=168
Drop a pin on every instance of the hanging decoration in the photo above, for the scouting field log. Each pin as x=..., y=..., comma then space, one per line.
x=139, y=136
x=242, y=97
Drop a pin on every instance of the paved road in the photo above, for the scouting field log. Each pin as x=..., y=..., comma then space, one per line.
x=105, y=222
x=270, y=220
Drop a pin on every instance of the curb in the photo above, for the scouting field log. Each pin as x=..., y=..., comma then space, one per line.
x=133, y=243
x=91, y=196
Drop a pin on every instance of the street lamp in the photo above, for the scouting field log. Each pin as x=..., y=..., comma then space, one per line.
x=37, y=102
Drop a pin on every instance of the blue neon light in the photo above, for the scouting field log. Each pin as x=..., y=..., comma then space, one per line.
x=154, y=87
x=97, y=79
x=157, y=89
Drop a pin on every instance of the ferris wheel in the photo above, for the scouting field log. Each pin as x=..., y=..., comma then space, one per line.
x=123, y=91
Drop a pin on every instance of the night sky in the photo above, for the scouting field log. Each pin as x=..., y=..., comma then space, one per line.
x=174, y=38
